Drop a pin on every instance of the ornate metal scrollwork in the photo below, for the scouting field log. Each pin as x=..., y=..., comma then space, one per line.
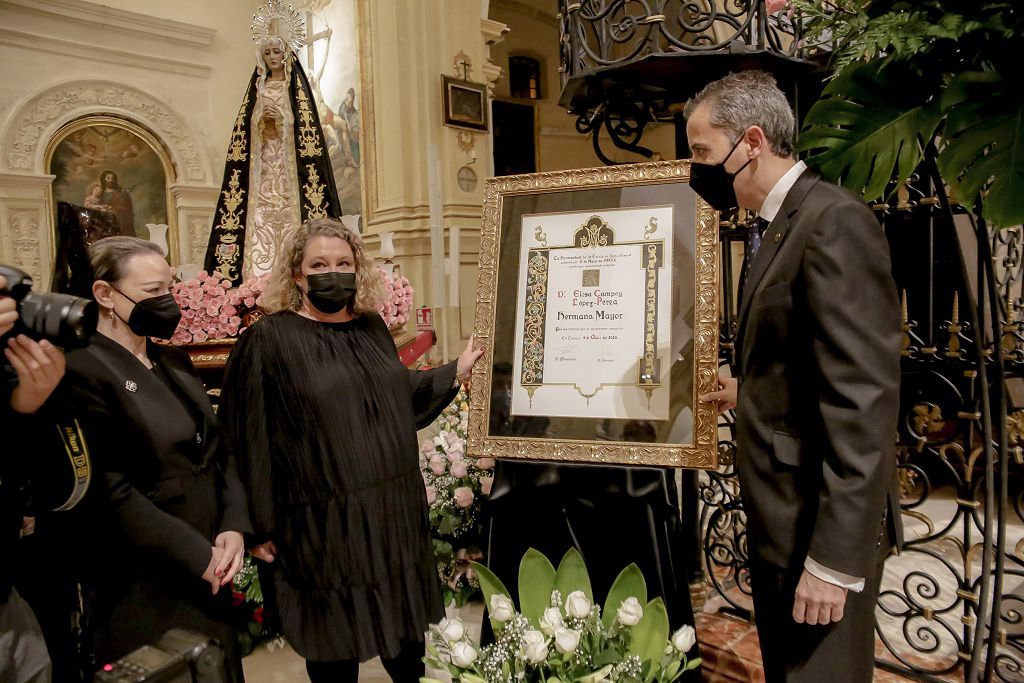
x=605, y=44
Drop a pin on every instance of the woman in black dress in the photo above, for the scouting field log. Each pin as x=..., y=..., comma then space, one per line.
x=322, y=417
x=170, y=510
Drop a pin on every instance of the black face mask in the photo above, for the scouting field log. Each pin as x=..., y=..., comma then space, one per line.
x=331, y=292
x=714, y=184
x=157, y=316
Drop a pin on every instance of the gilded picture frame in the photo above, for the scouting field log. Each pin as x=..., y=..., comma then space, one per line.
x=656, y=243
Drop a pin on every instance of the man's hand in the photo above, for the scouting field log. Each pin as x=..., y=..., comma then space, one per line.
x=265, y=551
x=233, y=545
x=725, y=397
x=8, y=310
x=39, y=365
x=818, y=602
x=210, y=575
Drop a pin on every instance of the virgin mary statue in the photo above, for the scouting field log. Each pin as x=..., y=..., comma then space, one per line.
x=278, y=171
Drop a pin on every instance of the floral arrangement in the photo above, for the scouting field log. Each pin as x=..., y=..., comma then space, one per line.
x=455, y=486
x=398, y=298
x=247, y=601
x=560, y=635
x=211, y=309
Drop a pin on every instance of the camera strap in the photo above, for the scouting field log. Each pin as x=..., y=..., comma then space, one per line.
x=77, y=450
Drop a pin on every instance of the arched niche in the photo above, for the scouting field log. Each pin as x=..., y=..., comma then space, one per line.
x=27, y=137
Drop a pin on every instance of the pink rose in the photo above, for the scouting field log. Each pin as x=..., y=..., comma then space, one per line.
x=773, y=6
x=202, y=275
x=485, y=485
x=232, y=329
x=199, y=336
x=463, y=496
x=485, y=463
x=459, y=469
x=229, y=310
x=456, y=451
x=249, y=301
x=438, y=464
x=431, y=495
x=428, y=448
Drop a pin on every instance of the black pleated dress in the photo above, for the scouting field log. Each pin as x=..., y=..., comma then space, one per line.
x=322, y=418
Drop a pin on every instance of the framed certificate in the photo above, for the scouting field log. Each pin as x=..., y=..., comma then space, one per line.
x=598, y=304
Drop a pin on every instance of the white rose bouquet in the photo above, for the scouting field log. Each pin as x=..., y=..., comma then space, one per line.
x=560, y=636
x=455, y=485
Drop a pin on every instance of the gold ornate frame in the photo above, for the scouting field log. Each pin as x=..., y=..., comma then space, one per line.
x=151, y=140
x=703, y=452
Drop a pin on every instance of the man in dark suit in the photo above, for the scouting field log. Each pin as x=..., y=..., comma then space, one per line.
x=815, y=387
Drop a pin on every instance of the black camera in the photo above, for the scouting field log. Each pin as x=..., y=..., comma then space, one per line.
x=180, y=656
x=66, y=321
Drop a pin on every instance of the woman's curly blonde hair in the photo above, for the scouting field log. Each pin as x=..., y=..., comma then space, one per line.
x=283, y=294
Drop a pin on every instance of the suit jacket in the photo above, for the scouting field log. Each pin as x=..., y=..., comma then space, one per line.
x=818, y=362
x=166, y=486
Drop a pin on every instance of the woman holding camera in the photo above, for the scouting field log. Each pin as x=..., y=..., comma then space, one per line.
x=170, y=509
x=322, y=417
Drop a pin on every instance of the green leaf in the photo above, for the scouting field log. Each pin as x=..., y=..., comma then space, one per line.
x=651, y=634
x=870, y=127
x=606, y=657
x=572, y=575
x=491, y=585
x=982, y=155
x=629, y=583
x=672, y=671
x=693, y=663
x=536, y=579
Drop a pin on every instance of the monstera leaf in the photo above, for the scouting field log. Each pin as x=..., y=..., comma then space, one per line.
x=870, y=127
x=982, y=153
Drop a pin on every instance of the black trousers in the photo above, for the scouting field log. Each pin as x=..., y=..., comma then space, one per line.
x=407, y=667
x=841, y=652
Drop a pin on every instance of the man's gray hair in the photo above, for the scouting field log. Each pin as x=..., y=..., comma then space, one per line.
x=749, y=98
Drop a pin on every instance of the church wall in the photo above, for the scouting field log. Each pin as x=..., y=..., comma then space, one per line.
x=179, y=69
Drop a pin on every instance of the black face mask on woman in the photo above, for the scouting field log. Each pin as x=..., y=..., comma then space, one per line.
x=714, y=184
x=331, y=292
x=157, y=316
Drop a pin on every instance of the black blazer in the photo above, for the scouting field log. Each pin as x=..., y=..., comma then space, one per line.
x=818, y=362
x=163, y=490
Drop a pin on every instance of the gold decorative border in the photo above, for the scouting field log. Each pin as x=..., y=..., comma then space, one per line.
x=703, y=453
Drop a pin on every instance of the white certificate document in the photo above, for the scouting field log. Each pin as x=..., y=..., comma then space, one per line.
x=593, y=314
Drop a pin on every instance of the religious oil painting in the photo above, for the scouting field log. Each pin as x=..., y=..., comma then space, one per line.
x=332, y=63
x=465, y=103
x=598, y=303
x=113, y=166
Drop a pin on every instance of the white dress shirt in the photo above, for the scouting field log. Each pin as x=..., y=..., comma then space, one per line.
x=769, y=210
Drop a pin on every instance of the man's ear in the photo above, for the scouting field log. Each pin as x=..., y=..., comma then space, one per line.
x=757, y=142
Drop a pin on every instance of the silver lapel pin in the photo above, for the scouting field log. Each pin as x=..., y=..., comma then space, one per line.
x=131, y=386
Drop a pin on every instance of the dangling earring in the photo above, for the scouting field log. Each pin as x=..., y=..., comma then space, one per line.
x=110, y=313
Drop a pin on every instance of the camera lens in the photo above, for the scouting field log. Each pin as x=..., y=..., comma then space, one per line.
x=67, y=321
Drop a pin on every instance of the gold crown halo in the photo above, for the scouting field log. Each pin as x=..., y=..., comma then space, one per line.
x=278, y=20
